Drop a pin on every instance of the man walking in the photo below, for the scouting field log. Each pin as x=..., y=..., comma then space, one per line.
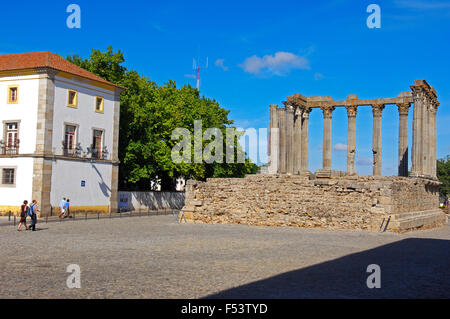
x=66, y=209
x=33, y=214
x=62, y=205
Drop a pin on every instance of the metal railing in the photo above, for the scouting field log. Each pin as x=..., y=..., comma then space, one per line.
x=14, y=220
x=9, y=149
x=98, y=154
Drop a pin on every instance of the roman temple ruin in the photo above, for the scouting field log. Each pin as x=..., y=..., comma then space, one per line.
x=290, y=195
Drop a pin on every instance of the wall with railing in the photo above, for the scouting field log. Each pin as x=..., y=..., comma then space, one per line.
x=150, y=200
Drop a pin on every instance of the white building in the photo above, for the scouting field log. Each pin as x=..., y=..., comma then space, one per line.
x=59, y=130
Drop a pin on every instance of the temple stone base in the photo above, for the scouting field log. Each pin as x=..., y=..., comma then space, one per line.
x=396, y=204
x=416, y=220
x=329, y=173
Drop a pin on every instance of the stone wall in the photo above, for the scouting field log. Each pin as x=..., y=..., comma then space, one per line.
x=350, y=202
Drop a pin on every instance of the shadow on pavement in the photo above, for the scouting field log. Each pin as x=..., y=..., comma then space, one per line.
x=410, y=268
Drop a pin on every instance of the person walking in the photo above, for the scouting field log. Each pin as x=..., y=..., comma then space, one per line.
x=66, y=209
x=32, y=211
x=23, y=215
x=62, y=204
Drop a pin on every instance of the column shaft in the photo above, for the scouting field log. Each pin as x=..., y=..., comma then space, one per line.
x=327, y=121
x=274, y=140
x=289, y=139
x=282, y=154
x=298, y=141
x=271, y=111
x=426, y=140
x=416, y=156
x=305, y=140
x=433, y=135
x=351, y=139
x=377, y=110
x=403, y=110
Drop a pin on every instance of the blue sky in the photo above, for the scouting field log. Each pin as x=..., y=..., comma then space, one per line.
x=327, y=50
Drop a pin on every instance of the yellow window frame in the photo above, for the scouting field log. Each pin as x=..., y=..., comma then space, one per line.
x=9, y=101
x=75, y=100
x=101, y=106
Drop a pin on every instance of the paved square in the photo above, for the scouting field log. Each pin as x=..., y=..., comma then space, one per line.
x=153, y=257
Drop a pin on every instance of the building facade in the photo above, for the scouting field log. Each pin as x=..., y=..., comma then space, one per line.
x=59, y=132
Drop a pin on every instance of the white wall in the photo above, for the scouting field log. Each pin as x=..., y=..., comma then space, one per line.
x=25, y=110
x=66, y=182
x=14, y=196
x=67, y=174
x=84, y=116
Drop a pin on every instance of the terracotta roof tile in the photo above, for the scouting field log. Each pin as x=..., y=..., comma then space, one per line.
x=20, y=61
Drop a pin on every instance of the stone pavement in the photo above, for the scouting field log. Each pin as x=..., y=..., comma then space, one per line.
x=153, y=257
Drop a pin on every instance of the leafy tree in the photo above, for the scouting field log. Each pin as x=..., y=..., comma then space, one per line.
x=443, y=174
x=149, y=113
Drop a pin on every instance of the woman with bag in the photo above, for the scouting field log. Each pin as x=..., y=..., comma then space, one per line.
x=23, y=215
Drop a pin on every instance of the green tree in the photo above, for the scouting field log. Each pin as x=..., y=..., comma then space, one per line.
x=443, y=174
x=149, y=113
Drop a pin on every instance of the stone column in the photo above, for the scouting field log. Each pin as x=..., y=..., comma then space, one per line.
x=433, y=136
x=377, y=110
x=274, y=140
x=418, y=94
x=271, y=111
x=327, y=120
x=403, y=110
x=298, y=140
x=282, y=154
x=305, y=137
x=289, y=139
x=351, y=139
x=426, y=139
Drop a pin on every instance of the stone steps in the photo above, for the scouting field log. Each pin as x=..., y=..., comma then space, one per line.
x=417, y=220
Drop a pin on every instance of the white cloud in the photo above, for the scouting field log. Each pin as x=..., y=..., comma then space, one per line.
x=190, y=76
x=339, y=147
x=318, y=76
x=221, y=64
x=279, y=64
x=364, y=161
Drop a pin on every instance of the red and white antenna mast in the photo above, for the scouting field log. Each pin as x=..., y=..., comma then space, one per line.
x=197, y=69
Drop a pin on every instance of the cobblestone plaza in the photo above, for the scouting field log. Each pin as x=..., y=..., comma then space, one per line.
x=154, y=257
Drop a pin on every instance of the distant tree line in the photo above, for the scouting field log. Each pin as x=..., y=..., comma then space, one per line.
x=148, y=115
x=443, y=174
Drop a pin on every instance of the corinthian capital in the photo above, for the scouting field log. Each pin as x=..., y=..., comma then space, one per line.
x=352, y=110
x=305, y=112
x=327, y=111
x=377, y=109
x=433, y=106
x=403, y=108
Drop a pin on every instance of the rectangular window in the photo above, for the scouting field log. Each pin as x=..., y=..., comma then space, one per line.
x=99, y=104
x=11, y=145
x=13, y=94
x=8, y=176
x=72, y=98
x=97, y=144
x=69, y=139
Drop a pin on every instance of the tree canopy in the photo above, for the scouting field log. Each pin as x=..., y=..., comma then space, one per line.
x=443, y=174
x=148, y=115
